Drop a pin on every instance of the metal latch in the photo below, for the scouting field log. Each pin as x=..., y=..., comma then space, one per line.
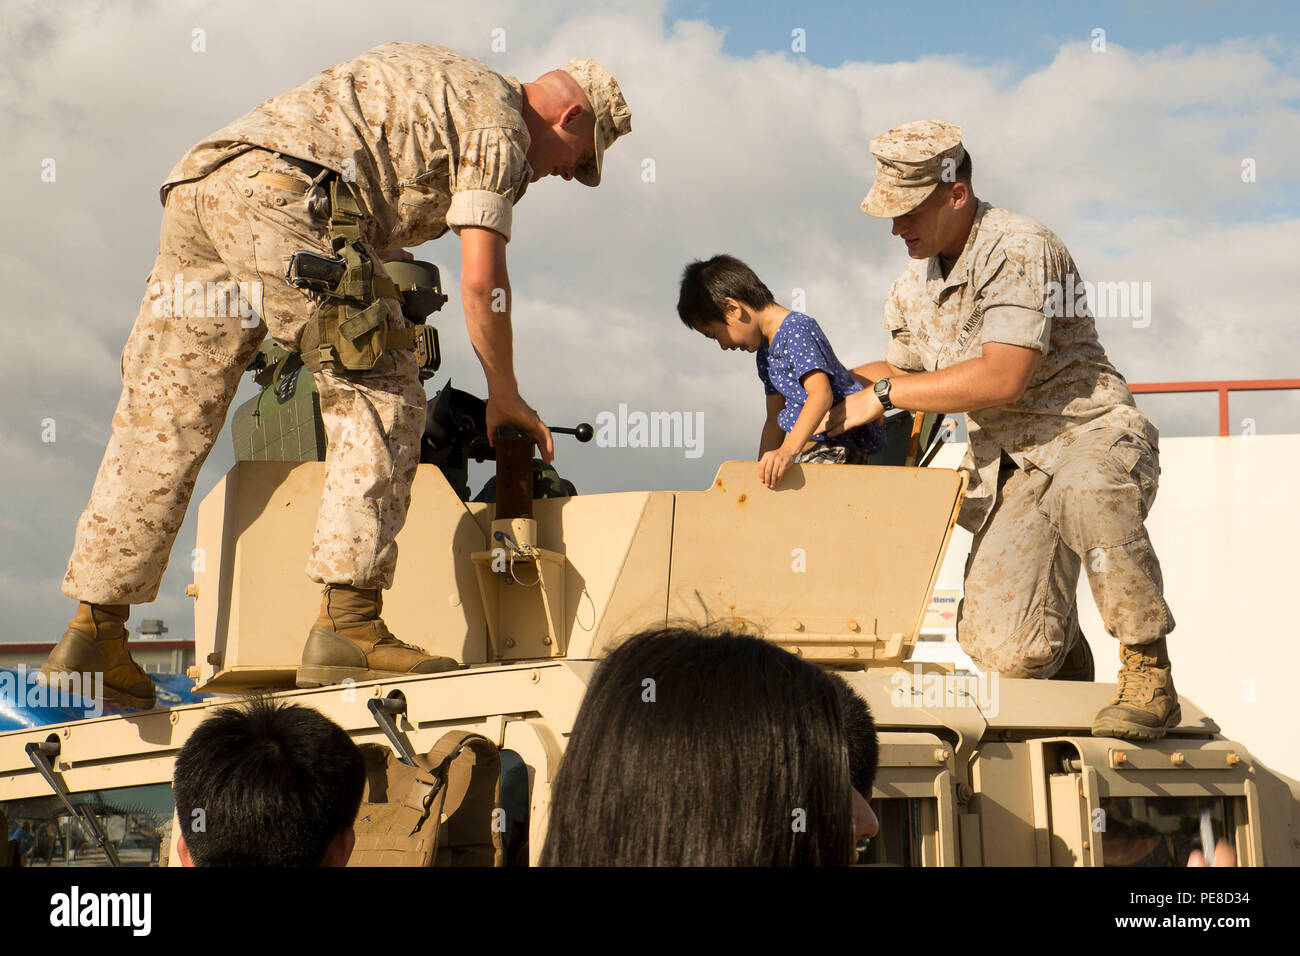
x=384, y=709
x=40, y=755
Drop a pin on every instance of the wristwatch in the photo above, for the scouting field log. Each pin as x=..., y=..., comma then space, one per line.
x=881, y=388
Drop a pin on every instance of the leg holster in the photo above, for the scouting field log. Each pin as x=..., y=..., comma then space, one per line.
x=348, y=330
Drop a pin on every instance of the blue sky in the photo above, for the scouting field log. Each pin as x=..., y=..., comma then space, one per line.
x=1017, y=38
x=1026, y=35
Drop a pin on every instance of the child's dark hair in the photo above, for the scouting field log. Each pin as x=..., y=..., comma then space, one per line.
x=707, y=283
x=276, y=783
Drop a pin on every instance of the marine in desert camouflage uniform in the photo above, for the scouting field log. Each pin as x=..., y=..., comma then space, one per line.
x=430, y=141
x=1062, y=466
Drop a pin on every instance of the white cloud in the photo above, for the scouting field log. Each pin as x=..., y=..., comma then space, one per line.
x=1133, y=159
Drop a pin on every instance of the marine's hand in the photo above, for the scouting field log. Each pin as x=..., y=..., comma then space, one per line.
x=773, y=465
x=857, y=409
x=1223, y=855
x=513, y=410
x=395, y=255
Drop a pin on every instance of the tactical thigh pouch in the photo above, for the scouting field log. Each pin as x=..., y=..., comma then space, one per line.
x=348, y=330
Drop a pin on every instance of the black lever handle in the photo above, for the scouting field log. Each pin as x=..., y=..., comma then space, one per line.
x=584, y=432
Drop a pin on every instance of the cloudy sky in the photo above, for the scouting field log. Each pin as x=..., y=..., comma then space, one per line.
x=1133, y=154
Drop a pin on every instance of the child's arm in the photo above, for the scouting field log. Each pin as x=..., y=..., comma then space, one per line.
x=773, y=433
x=774, y=463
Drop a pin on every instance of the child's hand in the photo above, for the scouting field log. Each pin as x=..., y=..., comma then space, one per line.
x=773, y=465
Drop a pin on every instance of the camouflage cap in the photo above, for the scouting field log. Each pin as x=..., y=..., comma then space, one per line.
x=613, y=118
x=910, y=163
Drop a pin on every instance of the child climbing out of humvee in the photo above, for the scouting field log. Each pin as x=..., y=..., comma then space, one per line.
x=724, y=300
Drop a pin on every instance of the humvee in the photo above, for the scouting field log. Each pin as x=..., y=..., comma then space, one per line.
x=530, y=585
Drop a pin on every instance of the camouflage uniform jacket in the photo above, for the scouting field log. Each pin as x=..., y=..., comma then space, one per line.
x=1000, y=290
x=434, y=140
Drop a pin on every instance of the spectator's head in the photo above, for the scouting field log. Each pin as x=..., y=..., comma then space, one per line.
x=265, y=784
x=695, y=749
x=719, y=298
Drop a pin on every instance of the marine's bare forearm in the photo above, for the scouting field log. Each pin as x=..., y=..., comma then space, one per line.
x=491, y=335
x=873, y=372
x=997, y=377
x=486, y=299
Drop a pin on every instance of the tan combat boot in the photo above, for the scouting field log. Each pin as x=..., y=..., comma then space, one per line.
x=350, y=639
x=1145, y=704
x=95, y=643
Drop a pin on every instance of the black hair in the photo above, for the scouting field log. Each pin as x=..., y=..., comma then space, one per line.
x=275, y=784
x=860, y=732
x=697, y=748
x=706, y=284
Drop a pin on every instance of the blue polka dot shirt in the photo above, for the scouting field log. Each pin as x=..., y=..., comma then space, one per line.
x=799, y=347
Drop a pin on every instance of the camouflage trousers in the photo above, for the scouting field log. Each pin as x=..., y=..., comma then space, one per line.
x=827, y=453
x=216, y=290
x=1018, y=615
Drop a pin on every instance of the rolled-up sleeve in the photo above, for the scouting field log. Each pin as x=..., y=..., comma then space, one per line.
x=900, y=352
x=486, y=179
x=1012, y=297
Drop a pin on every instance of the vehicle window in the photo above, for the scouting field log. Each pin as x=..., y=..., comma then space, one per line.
x=1161, y=831
x=137, y=821
x=898, y=842
x=515, y=802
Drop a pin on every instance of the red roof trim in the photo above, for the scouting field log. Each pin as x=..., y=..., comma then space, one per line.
x=6, y=648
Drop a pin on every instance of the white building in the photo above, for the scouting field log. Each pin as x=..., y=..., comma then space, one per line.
x=1225, y=525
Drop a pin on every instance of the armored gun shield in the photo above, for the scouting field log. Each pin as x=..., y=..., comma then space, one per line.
x=837, y=564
